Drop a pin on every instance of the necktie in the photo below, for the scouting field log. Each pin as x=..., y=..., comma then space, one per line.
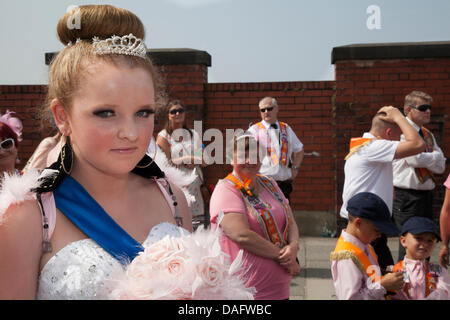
x=275, y=126
x=418, y=286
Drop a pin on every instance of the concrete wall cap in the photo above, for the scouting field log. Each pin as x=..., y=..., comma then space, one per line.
x=391, y=51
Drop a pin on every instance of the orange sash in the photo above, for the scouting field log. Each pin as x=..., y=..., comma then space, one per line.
x=283, y=148
x=423, y=174
x=356, y=144
x=261, y=211
x=430, y=279
x=349, y=250
x=284, y=143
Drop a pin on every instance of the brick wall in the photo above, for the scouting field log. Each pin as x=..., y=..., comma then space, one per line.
x=324, y=114
x=186, y=83
x=306, y=107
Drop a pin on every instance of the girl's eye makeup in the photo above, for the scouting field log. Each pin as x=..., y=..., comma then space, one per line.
x=107, y=113
x=145, y=113
x=104, y=113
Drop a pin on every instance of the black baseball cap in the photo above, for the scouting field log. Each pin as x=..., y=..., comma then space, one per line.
x=417, y=225
x=369, y=206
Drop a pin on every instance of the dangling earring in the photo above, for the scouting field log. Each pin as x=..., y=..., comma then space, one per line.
x=153, y=159
x=67, y=157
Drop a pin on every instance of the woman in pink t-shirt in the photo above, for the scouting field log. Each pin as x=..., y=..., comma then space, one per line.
x=445, y=225
x=256, y=218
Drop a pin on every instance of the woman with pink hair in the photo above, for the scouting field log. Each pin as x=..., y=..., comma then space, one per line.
x=10, y=135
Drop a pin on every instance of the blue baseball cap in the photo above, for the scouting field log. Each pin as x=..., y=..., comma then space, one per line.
x=417, y=225
x=369, y=206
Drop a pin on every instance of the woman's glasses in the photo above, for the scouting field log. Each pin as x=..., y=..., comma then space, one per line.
x=175, y=111
x=422, y=108
x=7, y=144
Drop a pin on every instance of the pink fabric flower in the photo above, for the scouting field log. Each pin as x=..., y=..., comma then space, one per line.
x=175, y=266
x=181, y=268
x=211, y=272
x=14, y=123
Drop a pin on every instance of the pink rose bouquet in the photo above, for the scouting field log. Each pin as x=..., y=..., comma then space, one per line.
x=187, y=267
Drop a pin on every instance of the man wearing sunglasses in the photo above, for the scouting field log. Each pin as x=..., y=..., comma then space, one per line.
x=414, y=178
x=284, y=151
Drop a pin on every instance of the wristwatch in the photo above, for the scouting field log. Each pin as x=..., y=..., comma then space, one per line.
x=296, y=167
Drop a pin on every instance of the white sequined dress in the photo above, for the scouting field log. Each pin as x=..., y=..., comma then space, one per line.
x=81, y=270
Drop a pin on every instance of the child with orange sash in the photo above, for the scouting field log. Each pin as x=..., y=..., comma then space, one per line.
x=354, y=266
x=423, y=280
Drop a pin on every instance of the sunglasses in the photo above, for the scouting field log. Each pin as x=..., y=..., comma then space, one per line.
x=7, y=144
x=262, y=110
x=422, y=108
x=175, y=111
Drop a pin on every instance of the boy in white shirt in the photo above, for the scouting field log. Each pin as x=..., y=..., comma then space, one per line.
x=423, y=280
x=368, y=166
x=354, y=266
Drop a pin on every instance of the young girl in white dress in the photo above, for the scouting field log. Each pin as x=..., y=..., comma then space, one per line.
x=104, y=199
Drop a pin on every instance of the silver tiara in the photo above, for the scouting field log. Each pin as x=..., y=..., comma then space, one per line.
x=128, y=45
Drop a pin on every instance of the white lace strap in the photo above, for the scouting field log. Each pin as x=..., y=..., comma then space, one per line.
x=220, y=217
x=163, y=185
x=48, y=212
x=48, y=202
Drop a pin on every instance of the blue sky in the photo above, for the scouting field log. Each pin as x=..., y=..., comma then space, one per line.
x=249, y=40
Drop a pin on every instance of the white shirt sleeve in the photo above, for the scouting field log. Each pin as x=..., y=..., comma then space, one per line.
x=297, y=145
x=380, y=150
x=252, y=130
x=433, y=161
x=163, y=133
x=442, y=291
x=351, y=284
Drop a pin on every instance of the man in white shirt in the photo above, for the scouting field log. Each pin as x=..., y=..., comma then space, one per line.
x=414, y=175
x=368, y=166
x=284, y=150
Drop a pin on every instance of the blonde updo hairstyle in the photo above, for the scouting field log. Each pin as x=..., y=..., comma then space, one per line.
x=69, y=68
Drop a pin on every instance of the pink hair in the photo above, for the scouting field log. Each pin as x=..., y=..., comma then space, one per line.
x=13, y=123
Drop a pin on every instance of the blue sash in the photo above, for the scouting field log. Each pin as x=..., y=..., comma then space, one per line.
x=80, y=208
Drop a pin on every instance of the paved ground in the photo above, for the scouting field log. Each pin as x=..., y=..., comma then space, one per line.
x=314, y=282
